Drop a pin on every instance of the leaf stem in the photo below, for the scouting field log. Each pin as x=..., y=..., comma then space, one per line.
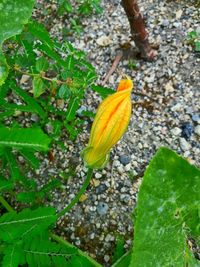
x=80, y=252
x=5, y=204
x=79, y=194
x=39, y=75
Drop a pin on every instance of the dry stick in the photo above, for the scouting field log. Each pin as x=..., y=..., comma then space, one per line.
x=138, y=31
x=112, y=69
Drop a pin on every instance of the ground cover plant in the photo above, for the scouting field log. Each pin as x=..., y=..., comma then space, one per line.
x=45, y=82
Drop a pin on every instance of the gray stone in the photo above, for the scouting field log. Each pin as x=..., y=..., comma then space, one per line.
x=185, y=146
x=102, y=208
x=124, y=159
x=101, y=188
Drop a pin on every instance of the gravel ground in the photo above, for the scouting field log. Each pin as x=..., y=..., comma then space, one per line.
x=172, y=119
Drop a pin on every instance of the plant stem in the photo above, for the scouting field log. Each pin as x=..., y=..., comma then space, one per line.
x=41, y=76
x=5, y=204
x=80, y=252
x=81, y=191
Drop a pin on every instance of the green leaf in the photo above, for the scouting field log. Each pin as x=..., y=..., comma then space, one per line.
x=167, y=211
x=32, y=103
x=119, y=249
x=5, y=185
x=26, y=197
x=38, y=86
x=14, y=14
x=42, y=64
x=3, y=69
x=124, y=260
x=30, y=157
x=42, y=252
x=103, y=91
x=12, y=256
x=26, y=223
x=64, y=92
x=197, y=46
x=33, y=138
x=72, y=108
x=70, y=62
x=13, y=166
x=38, y=30
x=192, y=34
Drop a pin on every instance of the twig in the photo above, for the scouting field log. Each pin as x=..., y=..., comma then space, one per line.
x=113, y=67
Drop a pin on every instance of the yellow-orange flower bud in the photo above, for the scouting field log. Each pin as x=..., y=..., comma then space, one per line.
x=110, y=123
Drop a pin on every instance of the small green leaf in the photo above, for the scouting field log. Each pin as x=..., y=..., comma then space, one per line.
x=38, y=30
x=5, y=184
x=30, y=157
x=38, y=86
x=70, y=62
x=197, y=46
x=3, y=69
x=103, y=91
x=64, y=92
x=192, y=34
x=119, y=249
x=26, y=197
x=32, y=103
x=42, y=64
x=73, y=106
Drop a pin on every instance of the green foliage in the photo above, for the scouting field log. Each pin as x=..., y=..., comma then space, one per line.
x=75, y=10
x=124, y=260
x=119, y=249
x=194, y=40
x=84, y=7
x=26, y=223
x=13, y=16
x=33, y=138
x=167, y=213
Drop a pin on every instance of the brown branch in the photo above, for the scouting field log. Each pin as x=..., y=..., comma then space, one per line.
x=138, y=31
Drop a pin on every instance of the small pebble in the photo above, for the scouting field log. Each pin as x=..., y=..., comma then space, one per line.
x=102, y=208
x=176, y=131
x=124, y=159
x=187, y=130
x=197, y=130
x=185, y=146
x=196, y=118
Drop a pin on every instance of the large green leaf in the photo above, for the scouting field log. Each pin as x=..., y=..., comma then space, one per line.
x=14, y=14
x=167, y=211
x=32, y=138
x=25, y=223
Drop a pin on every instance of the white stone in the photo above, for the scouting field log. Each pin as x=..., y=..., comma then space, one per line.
x=127, y=167
x=104, y=41
x=98, y=175
x=185, y=146
x=169, y=87
x=197, y=130
x=176, y=131
x=179, y=13
x=177, y=107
